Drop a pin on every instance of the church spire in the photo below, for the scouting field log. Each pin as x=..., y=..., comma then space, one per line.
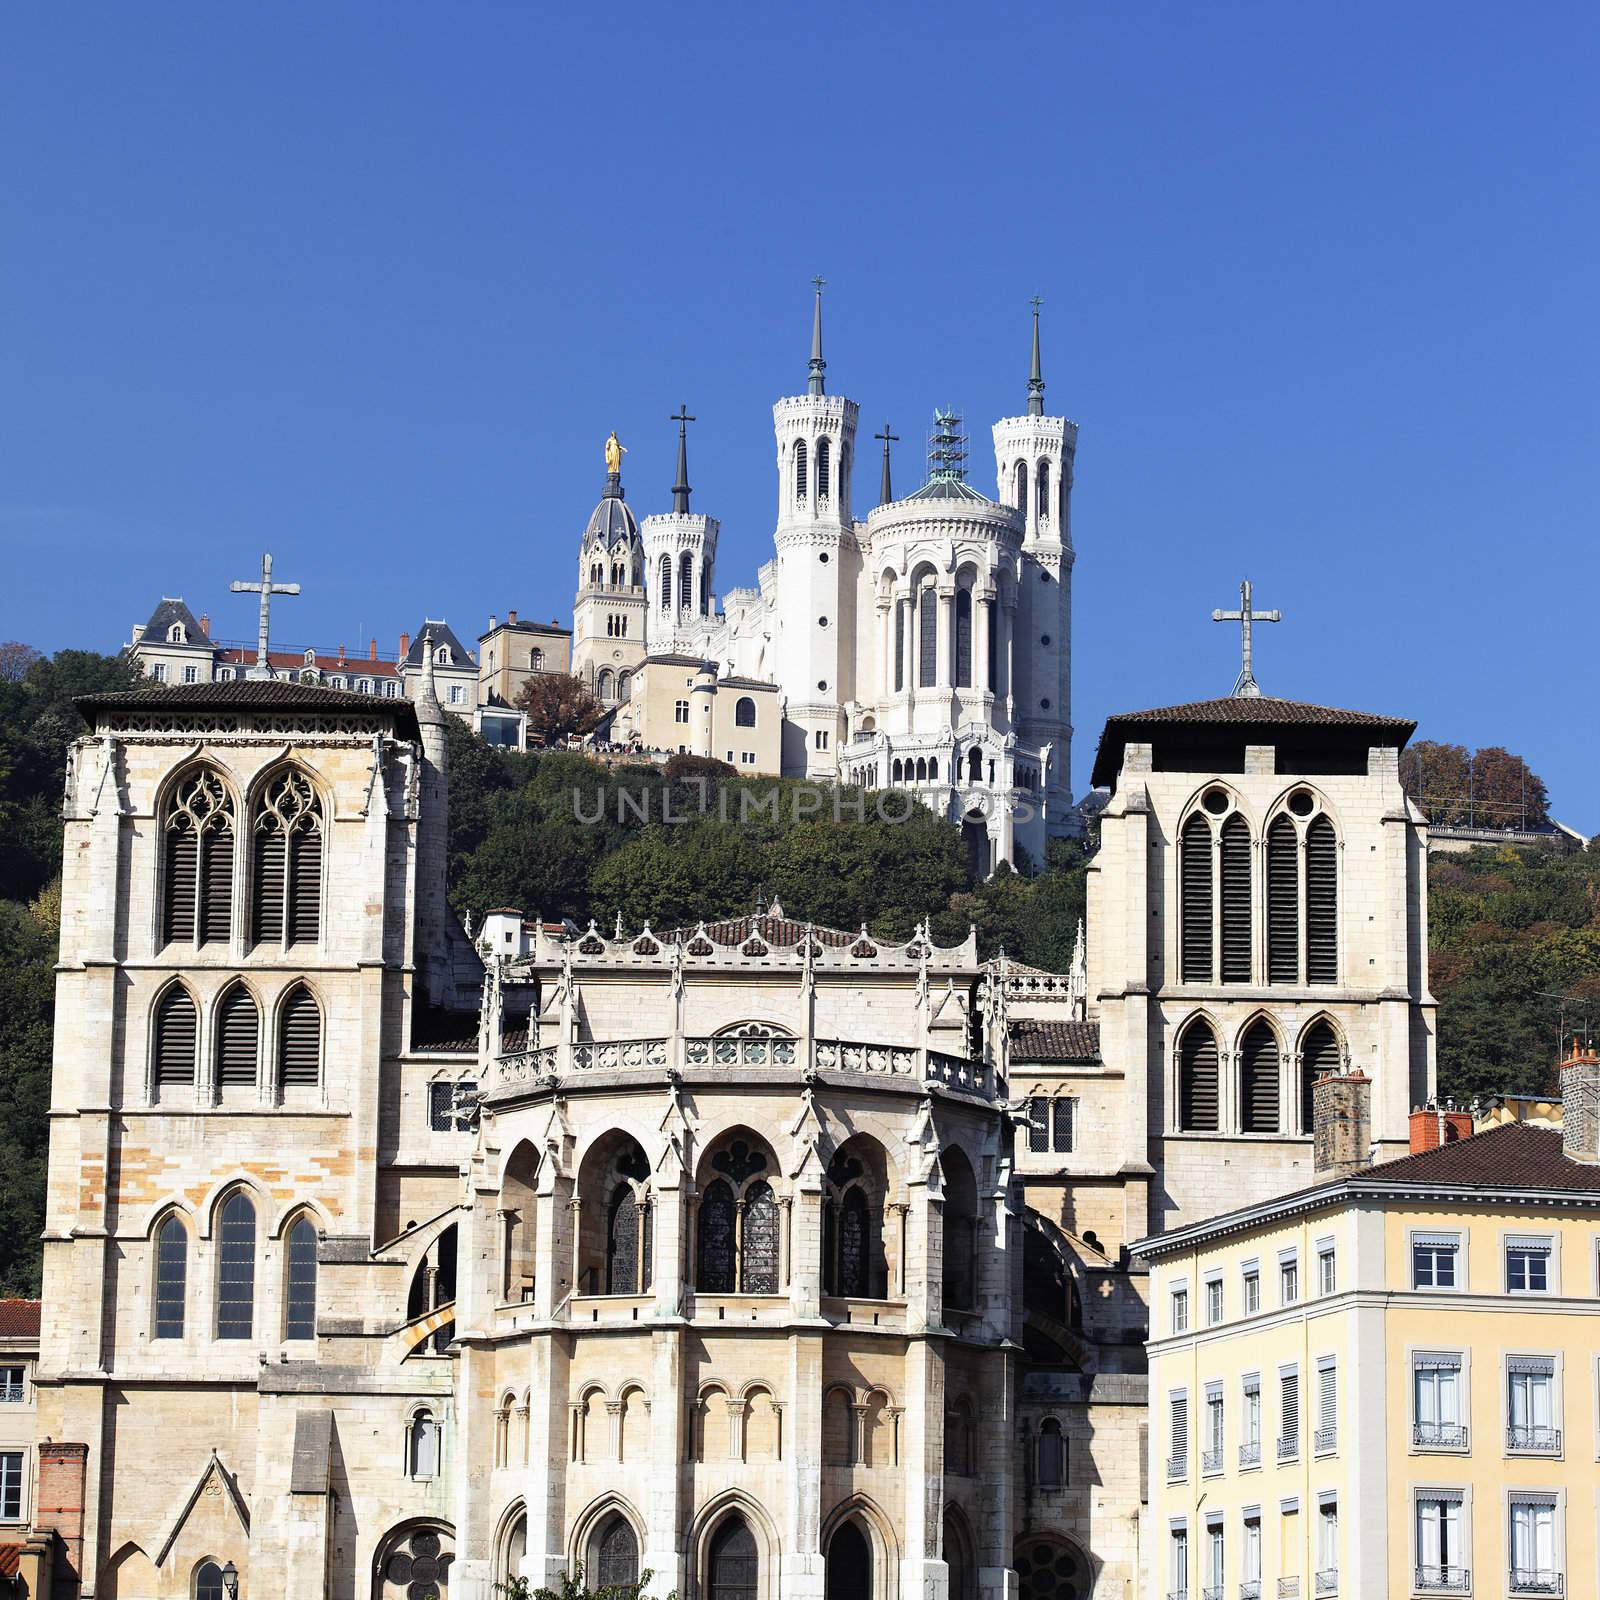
x=885, y=492
x=814, y=384
x=1035, y=372
x=680, y=489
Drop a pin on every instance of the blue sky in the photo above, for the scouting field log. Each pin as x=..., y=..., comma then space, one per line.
x=368, y=284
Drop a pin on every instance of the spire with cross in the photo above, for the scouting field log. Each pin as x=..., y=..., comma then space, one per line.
x=1036, y=372
x=266, y=588
x=814, y=383
x=885, y=493
x=1246, y=616
x=680, y=489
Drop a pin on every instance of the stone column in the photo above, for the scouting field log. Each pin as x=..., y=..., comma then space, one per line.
x=551, y=1432
x=944, y=674
x=661, y=1491
x=885, y=615
x=983, y=620
x=803, y=1446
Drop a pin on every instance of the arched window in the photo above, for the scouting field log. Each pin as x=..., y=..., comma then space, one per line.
x=176, y=1035
x=624, y=679
x=597, y=573
x=665, y=583
x=894, y=770
x=615, y=1563
x=800, y=485
x=927, y=637
x=299, y=1040
x=1022, y=486
x=975, y=765
x=933, y=769
x=957, y=1552
x=849, y=1565
x=1319, y=1055
x=1198, y=1106
x=1042, y=502
x=433, y=1285
x=1283, y=902
x=422, y=1445
x=197, y=900
x=1258, y=1080
x=744, y=712
x=922, y=769
x=624, y=1224
x=1195, y=872
x=824, y=468
x=603, y=684
x=172, y=1277
x=960, y=1226
x=236, y=1268
x=536, y=659
x=733, y=1567
x=1235, y=900
x=705, y=589
x=859, y=1232
x=758, y=1255
x=177, y=634
x=287, y=870
x=300, y=1282
x=1052, y=1455
x=899, y=645
x=1322, y=902
x=238, y=1039
x=616, y=574
x=686, y=582
x=714, y=1254
x=964, y=638
x=208, y=1584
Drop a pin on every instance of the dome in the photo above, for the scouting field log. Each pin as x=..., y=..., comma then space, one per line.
x=612, y=521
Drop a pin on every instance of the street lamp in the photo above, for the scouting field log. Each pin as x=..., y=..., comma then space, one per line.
x=230, y=1581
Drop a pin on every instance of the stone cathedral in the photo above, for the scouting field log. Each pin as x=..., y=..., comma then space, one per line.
x=768, y=1258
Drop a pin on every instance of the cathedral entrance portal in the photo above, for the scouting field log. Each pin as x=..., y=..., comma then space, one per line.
x=849, y=1564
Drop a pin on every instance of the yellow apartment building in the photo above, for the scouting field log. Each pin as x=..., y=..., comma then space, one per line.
x=1386, y=1384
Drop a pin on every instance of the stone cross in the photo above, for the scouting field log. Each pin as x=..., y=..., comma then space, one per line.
x=266, y=589
x=1246, y=616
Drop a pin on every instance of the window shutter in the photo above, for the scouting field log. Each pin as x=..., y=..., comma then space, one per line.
x=1197, y=1080
x=1322, y=889
x=216, y=908
x=238, y=1038
x=1283, y=903
x=1195, y=871
x=305, y=885
x=1328, y=1396
x=269, y=885
x=1180, y=1428
x=824, y=468
x=1236, y=900
x=177, y=1031
x=182, y=881
x=299, y=1040
x=800, y=469
x=1290, y=1398
x=1259, y=1080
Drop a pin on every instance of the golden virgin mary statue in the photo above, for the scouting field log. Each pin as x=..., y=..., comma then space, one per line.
x=614, y=452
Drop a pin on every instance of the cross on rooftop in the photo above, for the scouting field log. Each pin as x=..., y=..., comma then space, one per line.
x=885, y=492
x=266, y=589
x=1246, y=616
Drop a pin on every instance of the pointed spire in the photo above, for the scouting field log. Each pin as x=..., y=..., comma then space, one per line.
x=1035, y=372
x=814, y=384
x=886, y=491
x=680, y=489
x=429, y=711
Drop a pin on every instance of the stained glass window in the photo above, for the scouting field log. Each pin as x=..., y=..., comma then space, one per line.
x=716, y=1240
x=854, y=1245
x=733, y=1562
x=617, y=1557
x=622, y=1243
x=758, y=1267
x=236, y=1285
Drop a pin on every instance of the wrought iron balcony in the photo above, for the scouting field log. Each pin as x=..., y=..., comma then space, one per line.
x=1289, y=1588
x=1537, y=1580
x=1212, y=1591
x=1250, y=1589
x=1177, y=1469
x=1439, y=1436
x=1211, y=1460
x=1288, y=1449
x=1327, y=1581
x=1443, y=1580
x=1325, y=1439
x=1540, y=1440
x=1250, y=1454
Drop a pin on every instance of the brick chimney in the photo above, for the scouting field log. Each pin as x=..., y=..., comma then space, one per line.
x=1432, y=1126
x=1580, y=1105
x=372, y=651
x=511, y=619
x=405, y=644
x=494, y=622
x=205, y=623
x=341, y=655
x=1341, y=1122
x=59, y=1502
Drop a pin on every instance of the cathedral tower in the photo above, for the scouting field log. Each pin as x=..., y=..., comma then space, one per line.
x=1034, y=463
x=818, y=564
x=680, y=551
x=608, y=614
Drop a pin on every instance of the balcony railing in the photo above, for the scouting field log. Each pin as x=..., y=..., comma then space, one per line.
x=1443, y=1580
x=1537, y=1580
x=1288, y=1449
x=1325, y=1439
x=1439, y=1436
x=1177, y=1469
x=1250, y=1454
x=1289, y=1588
x=1540, y=1440
x=1327, y=1581
x=1212, y=1591
x=1250, y=1589
x=12, y=1394
x=1211, y=1460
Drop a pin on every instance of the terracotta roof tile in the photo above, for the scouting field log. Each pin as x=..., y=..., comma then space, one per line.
x=19, y=1319
x=1036, y=1040
x=251, y=694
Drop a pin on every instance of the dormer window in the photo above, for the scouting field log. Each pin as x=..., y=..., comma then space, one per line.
x=311, y=658
x=441, y=656
x=177, y=634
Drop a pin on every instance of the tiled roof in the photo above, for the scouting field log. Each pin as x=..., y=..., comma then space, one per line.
x=172, y=609
x=295, y=661
x=1035, y=1040
x=19, y=1319
x=251, y=694
x=437, y=1031
x=1246, y=709
x=781, y=933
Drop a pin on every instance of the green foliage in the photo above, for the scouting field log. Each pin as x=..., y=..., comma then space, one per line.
x=570, y=1586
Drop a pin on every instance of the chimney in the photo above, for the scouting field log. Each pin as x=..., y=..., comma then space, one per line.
x=1432, y=1126
x=372, y=651
x=494, y=622
x=405, y=645
x=341, y=655
x=1341, y=1121
x=511, y=619
x=1580, y=1105
x=205, y=623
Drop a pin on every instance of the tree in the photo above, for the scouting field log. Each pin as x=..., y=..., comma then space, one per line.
x=1488, y=788
x=1505, y=793
x=1436, y=777
x=15, y=660
x=558, y=706
x=570, y=1586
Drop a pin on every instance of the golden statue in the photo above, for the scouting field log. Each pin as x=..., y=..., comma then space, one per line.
x=614, y=452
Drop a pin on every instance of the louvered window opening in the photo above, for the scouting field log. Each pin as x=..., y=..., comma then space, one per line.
x=1198, y=1104
x=1322, y=902
x=1318, y=1057
x=1289, y=1411
x=1195, y=868
x=1042, y=505
x=1283, y=902
x=1235, y=900
x=899, y=644
x=686, y=582
x=964, y=638
x=800, y=485
x=176, y=1036
x=299, y=1040
x=927, y=638
x=238, y=1039
x=172, y=1278
x=198, y=892
x=824, y=468
x=1178, y=1449
x=236, y=1275
x=288, y=863
x=666, y=583
x=300, y=1298
x=1258, y=1080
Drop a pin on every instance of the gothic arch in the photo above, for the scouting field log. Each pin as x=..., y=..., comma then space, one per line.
x=1197, y=1075
x=708, y=1523
x=299, y=1038
x=172, y=1048
x=860, y=1518
x=235, y=1054
x=593, y=1523
x=1050, y=1567
x=958, y=1548
x=1257, y=1058
x=507, y=1554
x=960, y=1228
x=860, y=1183
x=615, y=1242
x=417, y=1540
x=210, y=1209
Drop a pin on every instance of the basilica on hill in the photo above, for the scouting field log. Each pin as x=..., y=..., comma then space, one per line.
x=774, y=1260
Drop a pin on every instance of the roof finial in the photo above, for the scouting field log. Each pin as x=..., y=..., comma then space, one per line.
x=885, y=492
x=814, y=384
x=1245, y=686
x=1035, y=372
x=680, y=490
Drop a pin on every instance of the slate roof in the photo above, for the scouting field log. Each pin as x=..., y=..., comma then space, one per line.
x=1037, y=1040
x=781, y=933
x=19, y=1319
x=171, y=610
x=250, y=694
x=442, y=633
x=950, y=489
x=612, y=521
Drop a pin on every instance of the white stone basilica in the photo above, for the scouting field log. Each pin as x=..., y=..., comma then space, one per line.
x=928, y=646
